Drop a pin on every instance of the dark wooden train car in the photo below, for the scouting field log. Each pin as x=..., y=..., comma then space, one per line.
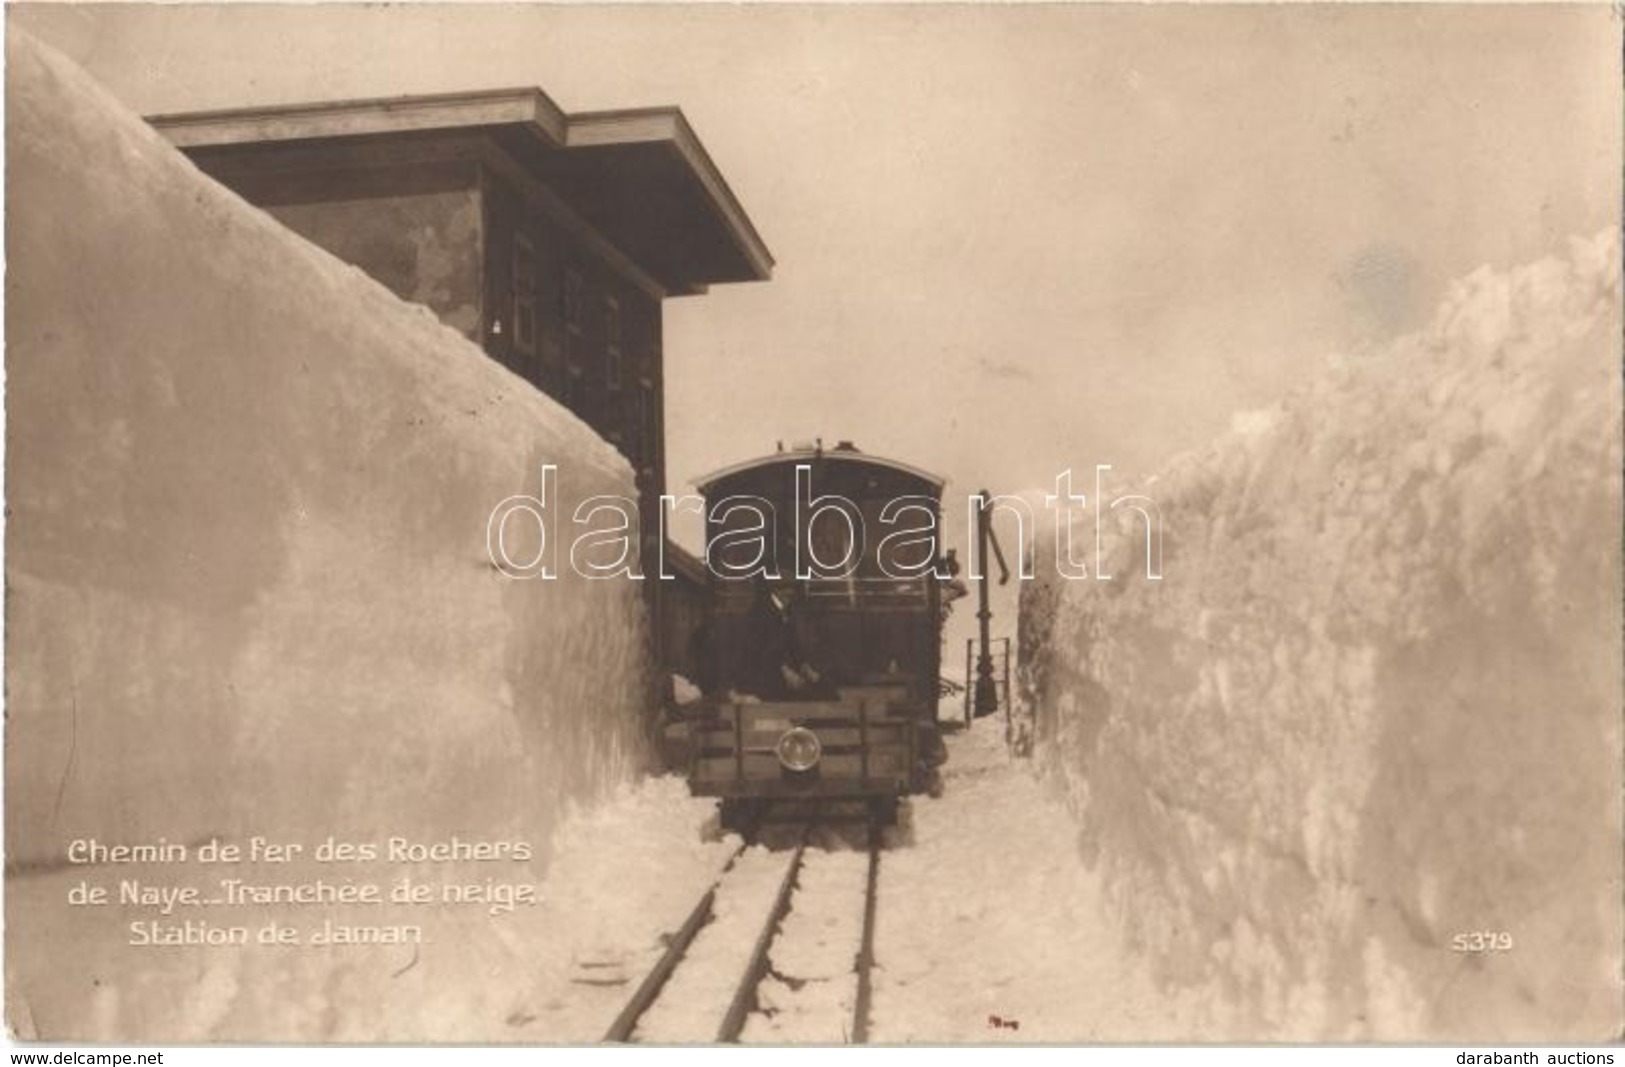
x=822, y=645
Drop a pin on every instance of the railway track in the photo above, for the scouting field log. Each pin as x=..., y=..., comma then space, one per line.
x=716, y=983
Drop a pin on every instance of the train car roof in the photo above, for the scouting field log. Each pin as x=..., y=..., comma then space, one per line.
x=802, y=455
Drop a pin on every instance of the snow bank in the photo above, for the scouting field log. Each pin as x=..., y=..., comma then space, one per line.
x=249, y=594
x=1371, y=714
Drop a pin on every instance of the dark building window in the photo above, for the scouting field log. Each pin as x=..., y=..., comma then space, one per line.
x=570, y=287
x=612, y=343
x=570, y=299
x=648, y=430
x=524, y=296
x=649, y=417
x=570, y=387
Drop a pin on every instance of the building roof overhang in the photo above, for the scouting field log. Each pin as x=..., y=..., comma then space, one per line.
x=641, y=177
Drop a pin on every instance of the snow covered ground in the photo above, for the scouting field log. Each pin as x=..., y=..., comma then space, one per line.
x=991, y=928
x=625, y=875
x=1351, y=768
x=985, y=912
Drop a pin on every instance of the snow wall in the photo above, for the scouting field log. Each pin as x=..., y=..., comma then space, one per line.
x=249, y=594
x=1370, y=714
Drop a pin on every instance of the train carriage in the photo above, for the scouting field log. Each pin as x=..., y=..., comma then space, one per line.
x=822, y=644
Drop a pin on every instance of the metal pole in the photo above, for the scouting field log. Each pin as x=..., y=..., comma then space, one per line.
x=987, y=694
x=970, y=653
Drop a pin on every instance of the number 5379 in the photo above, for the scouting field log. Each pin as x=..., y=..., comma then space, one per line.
x=1482, y=941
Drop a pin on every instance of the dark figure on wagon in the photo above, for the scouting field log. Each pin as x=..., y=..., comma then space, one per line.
x=778, y=670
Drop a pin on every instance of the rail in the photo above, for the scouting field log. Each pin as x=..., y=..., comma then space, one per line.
x=745, y=999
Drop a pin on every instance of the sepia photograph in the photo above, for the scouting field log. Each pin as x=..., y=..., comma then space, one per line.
x=813, y=524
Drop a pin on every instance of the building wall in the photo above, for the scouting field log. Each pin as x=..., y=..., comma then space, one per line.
x=424, y=247
x=249, y=594
x=408, y=214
